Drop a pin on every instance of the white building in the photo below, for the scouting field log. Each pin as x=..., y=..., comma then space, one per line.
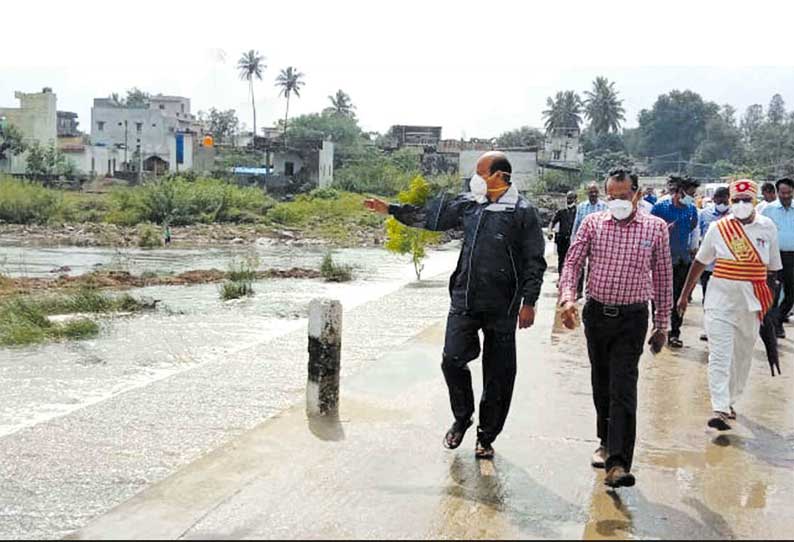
x=36, y=118
x=163, y=133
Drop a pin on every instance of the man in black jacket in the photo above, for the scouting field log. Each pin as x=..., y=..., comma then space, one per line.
x=564, y=219
x=497, y=280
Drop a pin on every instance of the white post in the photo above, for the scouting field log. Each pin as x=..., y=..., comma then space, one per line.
x=325, y=346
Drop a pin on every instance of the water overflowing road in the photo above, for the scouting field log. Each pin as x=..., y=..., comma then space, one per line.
x=193, y=325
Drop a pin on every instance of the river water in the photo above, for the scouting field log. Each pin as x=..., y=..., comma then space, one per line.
x=191, y=326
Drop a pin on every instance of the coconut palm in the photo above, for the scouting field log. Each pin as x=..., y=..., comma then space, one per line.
x=290, y=80
x=603, y=108
x=341, y=104
x=250, y=66
x=564, y=111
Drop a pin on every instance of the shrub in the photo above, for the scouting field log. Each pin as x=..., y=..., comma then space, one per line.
x=333, y=272
x=24, y=202
x=236, y=290
x=149, y=236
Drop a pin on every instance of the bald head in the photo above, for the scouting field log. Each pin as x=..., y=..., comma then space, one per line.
x=492, y=162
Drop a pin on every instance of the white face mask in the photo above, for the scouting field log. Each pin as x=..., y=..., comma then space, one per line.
x=742, y=210
x=688, y=200
x=479, y=188
x=722, y=208
x=620, y=209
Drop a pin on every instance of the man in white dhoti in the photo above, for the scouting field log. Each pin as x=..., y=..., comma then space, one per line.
x=744, y=249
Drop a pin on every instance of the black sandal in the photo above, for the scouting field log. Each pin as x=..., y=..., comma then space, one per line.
x=454, y=437
x=674, y=342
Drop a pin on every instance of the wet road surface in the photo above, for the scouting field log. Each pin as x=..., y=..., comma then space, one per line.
x=380, y=471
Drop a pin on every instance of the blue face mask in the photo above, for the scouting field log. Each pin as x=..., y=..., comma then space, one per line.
x=688, y=200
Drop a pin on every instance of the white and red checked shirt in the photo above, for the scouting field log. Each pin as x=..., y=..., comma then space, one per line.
x=628, y=263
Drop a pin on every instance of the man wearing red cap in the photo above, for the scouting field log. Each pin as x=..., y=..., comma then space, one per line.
x=744, y=249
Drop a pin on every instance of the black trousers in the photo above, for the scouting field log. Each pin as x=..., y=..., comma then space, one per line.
x=462, y=345
x=615, y=344
x=680, y=271
x=563, y=244
x=787, y=279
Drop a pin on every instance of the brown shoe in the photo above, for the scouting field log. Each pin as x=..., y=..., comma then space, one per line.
x=599, y=459
x=618, y=477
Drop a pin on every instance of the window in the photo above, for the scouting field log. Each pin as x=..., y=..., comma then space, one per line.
x=154, y=125
x=289, y=169
x=138, y=127
x=183, y=107
x=100, y=126
x=162, y=106
x=556, y=155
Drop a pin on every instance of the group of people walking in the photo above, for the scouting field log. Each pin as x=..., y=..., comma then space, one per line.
x=636, y=259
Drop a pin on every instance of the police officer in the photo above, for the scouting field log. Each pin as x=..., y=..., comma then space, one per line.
x=497, y=280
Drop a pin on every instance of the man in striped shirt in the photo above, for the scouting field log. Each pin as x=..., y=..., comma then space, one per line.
x=629, y=255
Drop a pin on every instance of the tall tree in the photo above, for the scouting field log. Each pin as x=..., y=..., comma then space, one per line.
x=603, y=108
x=752, y=120
x=250, y=67
x=564, y=111
x=674, y=127
x=341, y=104
x=290, y=80
x=777, y=110
x=223, y=125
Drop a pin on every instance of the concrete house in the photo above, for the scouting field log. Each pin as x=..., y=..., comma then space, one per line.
x=156, y=139
x=36, y=119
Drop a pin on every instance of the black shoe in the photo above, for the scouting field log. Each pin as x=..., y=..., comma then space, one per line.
x=618, y=477
x=454, y=437
x=780, y=333
x=483, y=450
x=675, y=342
x=720, y=422
x=704, y=337
x=785, y=319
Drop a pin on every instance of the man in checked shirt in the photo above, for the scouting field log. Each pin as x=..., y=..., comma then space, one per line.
x=629, y=255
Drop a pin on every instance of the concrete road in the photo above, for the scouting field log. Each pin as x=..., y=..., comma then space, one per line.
x=381, y=472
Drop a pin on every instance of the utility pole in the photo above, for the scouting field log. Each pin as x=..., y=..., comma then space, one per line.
x=140, y=161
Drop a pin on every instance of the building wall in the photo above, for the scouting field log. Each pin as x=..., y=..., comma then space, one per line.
x=525, y=166
x=187, y=157
x=326, y=165
x=37, y=119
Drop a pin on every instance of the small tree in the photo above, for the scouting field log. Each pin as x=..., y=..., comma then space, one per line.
x=11, y=141
x=405, y=240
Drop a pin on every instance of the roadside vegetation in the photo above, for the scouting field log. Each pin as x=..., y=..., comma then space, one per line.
x=334, y=272
x=240, y=279
x=24, y=318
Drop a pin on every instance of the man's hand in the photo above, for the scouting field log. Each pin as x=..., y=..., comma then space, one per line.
x=526, y=318
x=568, y=314
x=657, y=340
x=681, y=306
x=377, y=206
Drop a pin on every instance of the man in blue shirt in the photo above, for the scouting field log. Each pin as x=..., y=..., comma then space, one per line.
x=592, y=205
x=720, y=209
x=650, y=196
x=782, y=215
x=681, y=216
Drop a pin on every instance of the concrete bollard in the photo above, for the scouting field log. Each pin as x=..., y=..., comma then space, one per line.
x=325, y=348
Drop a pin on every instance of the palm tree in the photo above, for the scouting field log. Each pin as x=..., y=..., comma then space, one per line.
x=341, y=104
x=250, y=66
x=603, y=108
x=290, y=80
x=564, y=111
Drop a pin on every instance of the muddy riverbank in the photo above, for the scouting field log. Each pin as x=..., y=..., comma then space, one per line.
x=111, y=235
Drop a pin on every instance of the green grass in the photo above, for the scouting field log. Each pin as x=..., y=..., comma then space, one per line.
x=149, y=236
x=23, y=319
x=333, y=272
x=240, y=279
x=236, y=290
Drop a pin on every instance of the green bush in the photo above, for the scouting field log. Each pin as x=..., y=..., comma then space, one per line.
x=149, y=236
x=23, y=319
x=236, y=290
x=333, y=272
x=376, y=172
x=24, y=202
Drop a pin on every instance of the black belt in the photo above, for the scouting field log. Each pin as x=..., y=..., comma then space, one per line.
x=614, y=311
